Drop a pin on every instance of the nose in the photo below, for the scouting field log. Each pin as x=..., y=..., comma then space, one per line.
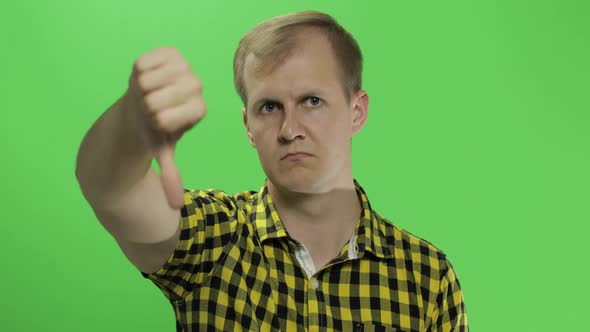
x=291, y=127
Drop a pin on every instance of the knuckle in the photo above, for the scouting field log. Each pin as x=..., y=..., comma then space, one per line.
x=141, y=62
x=174, y=52
x=203, y=108
x=142, y=81
x=161, y=124
x=137, y=65
x=198, y=84
x=168, y=48
x=194, y=84
x=197, y=117
x=184, y=66
x=151, y=102
x=171, y=53
x=197, y=103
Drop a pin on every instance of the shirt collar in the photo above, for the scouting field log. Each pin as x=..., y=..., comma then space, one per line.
x=265, y=217
x=369, y=233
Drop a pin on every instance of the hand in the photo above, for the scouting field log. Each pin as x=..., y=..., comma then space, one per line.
x=165, y=100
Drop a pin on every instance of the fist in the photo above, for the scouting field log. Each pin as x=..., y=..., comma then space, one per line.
x=165, y=96
x=164, y=99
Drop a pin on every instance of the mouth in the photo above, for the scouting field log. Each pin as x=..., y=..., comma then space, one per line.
x=296, y=156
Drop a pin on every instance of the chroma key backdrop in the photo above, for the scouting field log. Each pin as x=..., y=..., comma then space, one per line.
x=478, y=140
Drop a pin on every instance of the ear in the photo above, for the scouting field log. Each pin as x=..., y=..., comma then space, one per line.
x=245, y=119
x=360, y=111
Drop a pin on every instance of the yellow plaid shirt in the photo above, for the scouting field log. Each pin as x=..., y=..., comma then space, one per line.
x=236, y=268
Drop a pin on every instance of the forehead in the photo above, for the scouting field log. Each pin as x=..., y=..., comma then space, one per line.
x=310, y=64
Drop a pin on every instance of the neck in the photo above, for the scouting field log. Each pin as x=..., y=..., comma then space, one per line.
x=316, y=208
x=323, y=222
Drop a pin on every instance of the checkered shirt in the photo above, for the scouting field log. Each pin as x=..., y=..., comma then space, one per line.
x=235, y=268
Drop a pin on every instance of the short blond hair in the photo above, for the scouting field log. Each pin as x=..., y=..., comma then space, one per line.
x=272, y=41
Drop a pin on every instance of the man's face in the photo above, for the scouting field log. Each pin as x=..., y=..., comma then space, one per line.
x=301, y=107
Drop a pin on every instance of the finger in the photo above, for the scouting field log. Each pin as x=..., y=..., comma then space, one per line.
x=183, y=117
x=155, y=79
x=153, y=59
x=133, y=82
x=172, y=95
x=171, y=181
x=133, y=86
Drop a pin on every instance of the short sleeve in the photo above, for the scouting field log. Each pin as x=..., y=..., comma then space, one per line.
x=449, y=314
x=206, y=224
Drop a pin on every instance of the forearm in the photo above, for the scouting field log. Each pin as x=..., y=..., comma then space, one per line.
x=112, y=158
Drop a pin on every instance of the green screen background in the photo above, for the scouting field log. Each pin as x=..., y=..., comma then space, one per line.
x=477, y=140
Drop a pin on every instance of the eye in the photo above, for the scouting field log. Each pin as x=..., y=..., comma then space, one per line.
x=313, y=101
x=268, y=107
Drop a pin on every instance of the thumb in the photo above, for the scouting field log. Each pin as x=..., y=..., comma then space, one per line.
x=170, y=176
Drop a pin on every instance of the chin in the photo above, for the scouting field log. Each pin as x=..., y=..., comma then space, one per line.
x=298, y=182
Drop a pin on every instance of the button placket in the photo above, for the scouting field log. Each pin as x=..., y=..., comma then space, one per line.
x=315, y=283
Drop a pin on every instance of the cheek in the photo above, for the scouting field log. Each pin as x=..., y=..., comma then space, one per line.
x=335, y=138
x=333, y=130
x=263, y=141
x=257, y=132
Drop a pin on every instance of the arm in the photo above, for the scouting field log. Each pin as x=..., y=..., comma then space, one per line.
x=114, y=161
x=450, y=314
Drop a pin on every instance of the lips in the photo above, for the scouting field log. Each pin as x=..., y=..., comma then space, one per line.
x=293, y=155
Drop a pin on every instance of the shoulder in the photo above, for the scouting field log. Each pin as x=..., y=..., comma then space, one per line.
x=427, y=267
x=406, y=246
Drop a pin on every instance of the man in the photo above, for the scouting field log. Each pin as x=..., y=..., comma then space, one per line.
x=305, y=252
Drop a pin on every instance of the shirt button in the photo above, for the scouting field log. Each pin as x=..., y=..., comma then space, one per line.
x=315, y=284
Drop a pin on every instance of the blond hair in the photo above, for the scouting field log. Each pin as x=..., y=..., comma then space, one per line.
x=272, y=41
